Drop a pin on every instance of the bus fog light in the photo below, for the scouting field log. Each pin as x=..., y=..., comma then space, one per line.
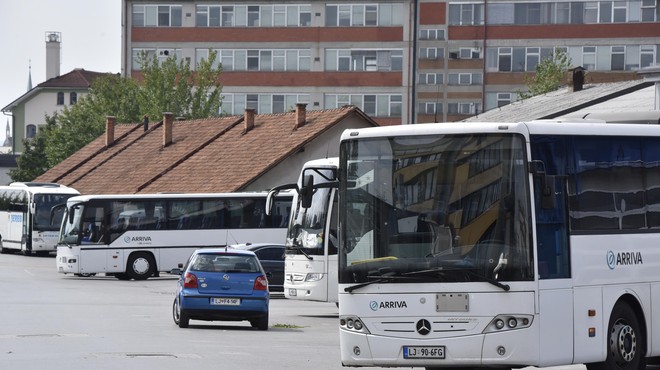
x=499, y=323
x=501, y=350
x=356, y=350
x=512, y=322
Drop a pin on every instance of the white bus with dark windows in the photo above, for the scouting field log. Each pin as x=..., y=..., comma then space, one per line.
x=29, y=217
x=140, y=235
x=505, y=245
x=310, y=262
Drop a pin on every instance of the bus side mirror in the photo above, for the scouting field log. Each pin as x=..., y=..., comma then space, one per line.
x=307, y=191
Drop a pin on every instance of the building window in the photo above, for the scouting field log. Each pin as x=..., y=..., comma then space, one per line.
x=503, y=99
x=589, y=58
x=363, y=15
x=464, y=79
x=73, y=98
x=466, y=14
x=264, y=103
x=647, y=55
x=431, y=53
x=648, y=10
x=380, y=105
x=429, y=108
x=157, y=15
x=161, y=54
x=30, y=131
x=463, y=108
x=432, y=34
x=430, y=78
x=618, y=58
x=363, y=60
x=60, y=98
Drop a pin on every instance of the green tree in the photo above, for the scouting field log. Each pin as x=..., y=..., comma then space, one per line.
x=549, y=76
x=165, y=86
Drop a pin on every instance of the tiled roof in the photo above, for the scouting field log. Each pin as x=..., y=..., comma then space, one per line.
x=78, y=78
x=207, y=155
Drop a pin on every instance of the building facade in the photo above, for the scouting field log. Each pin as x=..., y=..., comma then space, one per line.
x=400, y=61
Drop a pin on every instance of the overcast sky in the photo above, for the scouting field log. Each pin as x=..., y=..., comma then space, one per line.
x=90, y=34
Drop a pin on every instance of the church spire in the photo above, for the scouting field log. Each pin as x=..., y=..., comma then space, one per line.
x=29, y=86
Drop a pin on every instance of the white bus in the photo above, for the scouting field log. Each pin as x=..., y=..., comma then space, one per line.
x=500, y=245
x=310, y=262
x=139, y=235
x=28, y=222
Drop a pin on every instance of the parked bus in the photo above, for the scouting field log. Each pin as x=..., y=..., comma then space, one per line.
x=500, y=245
x=310, y=262
x=27, y=221
x=139, y=235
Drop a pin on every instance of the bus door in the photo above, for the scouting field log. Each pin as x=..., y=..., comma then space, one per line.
x=555, y=293
x=332, y=245
x=95, y=240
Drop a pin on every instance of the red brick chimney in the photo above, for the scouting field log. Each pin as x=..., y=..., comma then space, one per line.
x=248, y=120
x=301, y=115
x=168, y=119
x=110, y=122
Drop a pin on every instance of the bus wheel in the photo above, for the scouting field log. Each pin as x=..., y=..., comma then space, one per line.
x=626, y=345
x=140, y=266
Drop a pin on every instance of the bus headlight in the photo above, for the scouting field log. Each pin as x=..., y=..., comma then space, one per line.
x=314, y=277
x=508, y=322
x=352, y=323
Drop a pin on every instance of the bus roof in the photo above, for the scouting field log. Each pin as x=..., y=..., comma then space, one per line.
x=539, y=127
x=157, y=196
x=40, y=188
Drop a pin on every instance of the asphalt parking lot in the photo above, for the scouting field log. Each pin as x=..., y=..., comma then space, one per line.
x=56, y=321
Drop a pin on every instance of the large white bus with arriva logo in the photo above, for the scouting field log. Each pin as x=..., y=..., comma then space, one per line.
x=500, y=245
x=137, y=236
x=310, y=261
x=30, y=218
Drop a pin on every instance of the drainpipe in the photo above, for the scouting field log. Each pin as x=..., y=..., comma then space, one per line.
x=413, y=63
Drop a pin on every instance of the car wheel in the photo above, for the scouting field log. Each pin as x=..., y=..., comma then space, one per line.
x=180, y=318
x=626, y=344
x=140, y=266
x=261, y=323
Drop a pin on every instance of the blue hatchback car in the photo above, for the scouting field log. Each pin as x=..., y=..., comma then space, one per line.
x=222, y=284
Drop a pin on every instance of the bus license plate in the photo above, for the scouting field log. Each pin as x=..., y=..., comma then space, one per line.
x=424, y=352
x=226, y=301
x=293, y=292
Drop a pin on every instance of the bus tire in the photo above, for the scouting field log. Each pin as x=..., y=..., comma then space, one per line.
x=140, y=266
x=3, y=250
x=626, y=344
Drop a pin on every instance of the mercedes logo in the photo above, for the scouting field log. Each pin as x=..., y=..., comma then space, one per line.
x=423, y=327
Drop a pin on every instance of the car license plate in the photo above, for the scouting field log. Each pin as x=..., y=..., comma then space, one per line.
x=226, y=301
x=424, y=352
x=293, y=292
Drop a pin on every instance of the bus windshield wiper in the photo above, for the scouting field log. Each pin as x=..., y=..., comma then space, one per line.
x=442, y=271
x=377, y=279
x=487, y=279
x=296, y=245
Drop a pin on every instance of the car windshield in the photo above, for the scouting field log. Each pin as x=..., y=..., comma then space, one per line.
x=304, y=235
x=434, y=208
x=222, y=262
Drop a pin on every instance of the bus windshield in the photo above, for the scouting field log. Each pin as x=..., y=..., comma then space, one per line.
x=305, y=233
x=435, y=208
x=48, y=218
